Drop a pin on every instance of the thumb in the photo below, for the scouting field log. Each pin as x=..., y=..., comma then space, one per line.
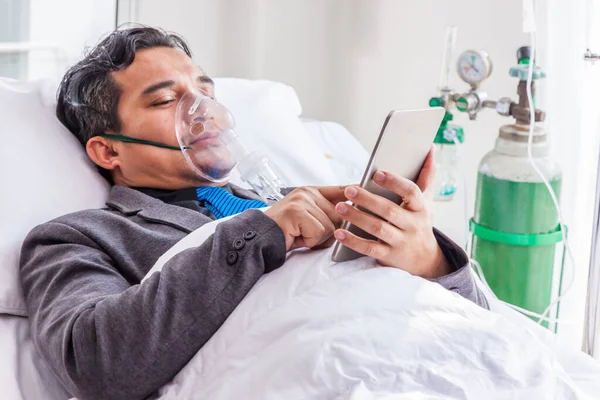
x=427, y=174
x=334, y=194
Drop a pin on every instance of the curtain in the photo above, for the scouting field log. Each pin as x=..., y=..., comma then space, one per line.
x=591, y=125
x=568, y=95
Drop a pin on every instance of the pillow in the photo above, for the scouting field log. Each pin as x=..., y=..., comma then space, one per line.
x=269, y=95
x=45, y=172
x=347, y=157
x=266, y=115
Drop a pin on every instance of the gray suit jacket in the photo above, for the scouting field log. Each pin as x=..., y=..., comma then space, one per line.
x=105, y=335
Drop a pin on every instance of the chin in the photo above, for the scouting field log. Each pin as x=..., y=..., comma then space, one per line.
x=219, y=171
x=214, y=162
x=220, y=184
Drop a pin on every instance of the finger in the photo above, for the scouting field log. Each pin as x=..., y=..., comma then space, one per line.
x=371, y=248
x=309, y=195
x=327, y=226
x=427, y=174
x=333, y=194
x=370, y=224
x=329, y=209
x=326, y=244
x=378, y=205
x=311, y=232
x=325, y=220
x=412, y=197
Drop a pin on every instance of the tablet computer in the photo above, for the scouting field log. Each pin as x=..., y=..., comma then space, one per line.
x=402, y=147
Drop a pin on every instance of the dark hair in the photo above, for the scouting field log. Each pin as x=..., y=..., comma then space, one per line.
x=88, y=96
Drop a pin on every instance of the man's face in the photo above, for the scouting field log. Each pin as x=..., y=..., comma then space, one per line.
x=151, y=88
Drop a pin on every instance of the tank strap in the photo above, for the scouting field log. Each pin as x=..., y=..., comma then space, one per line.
x=516, y=239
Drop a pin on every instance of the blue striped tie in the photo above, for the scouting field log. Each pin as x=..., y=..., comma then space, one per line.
x=222, y=203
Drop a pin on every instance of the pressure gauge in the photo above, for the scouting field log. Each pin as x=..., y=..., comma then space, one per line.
x=474, y=66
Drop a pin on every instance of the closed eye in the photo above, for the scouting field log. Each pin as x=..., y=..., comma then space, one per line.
x=169, y=101
x=163, y=103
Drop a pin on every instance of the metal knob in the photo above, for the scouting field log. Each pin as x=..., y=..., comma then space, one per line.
x=467, y=102
x=471, y=102
x=503, y=106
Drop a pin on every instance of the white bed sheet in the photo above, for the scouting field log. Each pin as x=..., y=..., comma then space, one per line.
x=316, y=329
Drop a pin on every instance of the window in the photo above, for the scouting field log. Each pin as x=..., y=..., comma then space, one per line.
x=13, y=30
x=41, y=38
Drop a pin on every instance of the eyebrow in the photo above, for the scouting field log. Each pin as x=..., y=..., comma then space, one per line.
x=157, y=86
x=164, y=84
x=205, y=79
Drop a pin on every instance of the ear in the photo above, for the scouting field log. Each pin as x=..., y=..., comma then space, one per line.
x=103, y=152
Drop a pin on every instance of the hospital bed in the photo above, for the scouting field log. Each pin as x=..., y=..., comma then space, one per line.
x=47, y=174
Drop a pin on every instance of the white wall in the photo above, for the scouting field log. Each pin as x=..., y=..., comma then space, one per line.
x=352, y=61
x=374, y=54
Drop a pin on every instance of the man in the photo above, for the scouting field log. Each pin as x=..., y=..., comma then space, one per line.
x=105, y=335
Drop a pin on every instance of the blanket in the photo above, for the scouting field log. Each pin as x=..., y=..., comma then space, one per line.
x=314, y=329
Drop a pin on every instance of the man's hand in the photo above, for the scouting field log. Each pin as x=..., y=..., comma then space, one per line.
x=405, y=233
x=307, y=216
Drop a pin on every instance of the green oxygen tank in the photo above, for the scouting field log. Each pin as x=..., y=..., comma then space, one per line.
x=515, y=226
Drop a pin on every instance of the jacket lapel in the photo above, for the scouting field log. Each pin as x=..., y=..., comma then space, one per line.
x=132, y=202
x=178, y=217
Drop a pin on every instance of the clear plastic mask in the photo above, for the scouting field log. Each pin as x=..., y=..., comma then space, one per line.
x=205, y=132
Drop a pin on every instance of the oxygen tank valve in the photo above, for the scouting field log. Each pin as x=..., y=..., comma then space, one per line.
x=475, y=100
x=520, y=110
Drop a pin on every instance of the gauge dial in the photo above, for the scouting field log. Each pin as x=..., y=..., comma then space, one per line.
x=474, y=66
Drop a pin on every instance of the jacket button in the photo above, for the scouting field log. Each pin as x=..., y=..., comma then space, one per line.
x=232, y=257
x=249, y=235
x=238, y=244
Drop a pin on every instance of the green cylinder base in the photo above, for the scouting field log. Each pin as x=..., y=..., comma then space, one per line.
x=520, y=275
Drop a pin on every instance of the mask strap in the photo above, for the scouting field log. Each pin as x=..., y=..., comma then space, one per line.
x=128, y=139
